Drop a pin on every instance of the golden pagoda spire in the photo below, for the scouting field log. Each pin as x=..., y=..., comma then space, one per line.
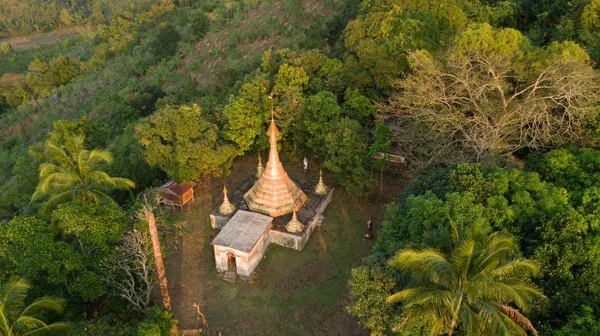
x=294, y=225
x=226, y=207
x=272, y=192
x=321, y=188
x=259, y=168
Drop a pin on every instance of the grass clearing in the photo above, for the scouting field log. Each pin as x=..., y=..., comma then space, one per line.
x=292, y=292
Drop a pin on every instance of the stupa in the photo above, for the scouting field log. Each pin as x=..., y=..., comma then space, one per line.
x=274, y=194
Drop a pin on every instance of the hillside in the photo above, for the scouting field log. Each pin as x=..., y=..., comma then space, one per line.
x=492, y=105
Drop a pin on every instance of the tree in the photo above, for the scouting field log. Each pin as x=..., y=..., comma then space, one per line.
x=247, y=113
x=474, y=289
x=6, y=47
x=345, y=151
x=146, y=212
x=199, y=23
x=20, y=320
x=377, y=41
x=493, y=94
x=131, y=273
x=321, y=114
x=29, y=249
x=77, y=176
x=45, y=78
x=164, y=43
x=92, y=230
x=181, y=142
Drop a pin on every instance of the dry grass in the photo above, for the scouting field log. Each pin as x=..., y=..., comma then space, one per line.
x=21, y=43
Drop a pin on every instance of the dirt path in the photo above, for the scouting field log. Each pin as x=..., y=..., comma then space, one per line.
x=21, y=43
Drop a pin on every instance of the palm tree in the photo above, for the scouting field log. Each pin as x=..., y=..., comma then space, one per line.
x=479, y=288
x=76, y=175
x=16, y=319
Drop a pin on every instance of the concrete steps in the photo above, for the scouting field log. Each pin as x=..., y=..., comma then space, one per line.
x=230, y=276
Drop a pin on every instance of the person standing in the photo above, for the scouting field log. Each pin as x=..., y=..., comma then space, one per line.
x=369, y=234
x=305, y=165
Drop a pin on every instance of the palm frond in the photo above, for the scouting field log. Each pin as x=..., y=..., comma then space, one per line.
x=516, y=268
x=54, y=329
x=54, y=201
x=98, y=156
x=518, y=318
x=426, y=265
x=27, y=323
x=45, y=303
x=13, y=297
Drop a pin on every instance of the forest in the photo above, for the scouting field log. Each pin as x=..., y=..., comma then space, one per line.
x=494, y=104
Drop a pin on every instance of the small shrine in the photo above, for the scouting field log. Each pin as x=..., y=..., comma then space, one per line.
x=176, y=194
x=268, y=208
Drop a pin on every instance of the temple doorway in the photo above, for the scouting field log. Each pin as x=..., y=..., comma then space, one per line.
x=231, y=266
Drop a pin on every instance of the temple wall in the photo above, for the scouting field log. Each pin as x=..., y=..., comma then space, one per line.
x=295, y=241
x=221, y=257
x=218, y=221
x=245, y=263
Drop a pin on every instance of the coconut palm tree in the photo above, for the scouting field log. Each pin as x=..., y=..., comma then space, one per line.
x=480, y=288
x=76, y=175
x=16, y=319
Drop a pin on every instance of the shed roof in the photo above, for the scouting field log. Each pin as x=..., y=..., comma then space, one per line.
x=175, y=188
x=243, y=231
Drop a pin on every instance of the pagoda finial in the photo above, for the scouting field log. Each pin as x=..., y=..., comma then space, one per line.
x=272, y=110
x=226, y=207
x=321, y=188
x=259, y=168
x=294, y=225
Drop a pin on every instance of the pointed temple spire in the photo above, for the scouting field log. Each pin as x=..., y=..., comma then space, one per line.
x=294, y=225
x=321, y=188
x=272, y=192
x=259, y=168
x=226, y=207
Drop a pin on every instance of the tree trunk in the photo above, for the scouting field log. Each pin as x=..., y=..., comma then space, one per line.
x=160, y=267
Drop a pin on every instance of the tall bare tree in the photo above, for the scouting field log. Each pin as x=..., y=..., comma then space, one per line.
x=493, y=94
x=132, y=272
x=147, y=213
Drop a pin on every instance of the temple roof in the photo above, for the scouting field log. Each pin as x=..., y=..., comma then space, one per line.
x=243, y=231
x=274, y=194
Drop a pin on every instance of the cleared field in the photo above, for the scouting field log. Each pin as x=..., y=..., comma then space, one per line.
x=22, y=43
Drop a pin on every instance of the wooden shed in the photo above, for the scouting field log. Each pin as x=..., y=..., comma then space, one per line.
x=176, y=194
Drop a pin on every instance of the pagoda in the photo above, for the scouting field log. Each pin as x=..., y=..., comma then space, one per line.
x=274, y=194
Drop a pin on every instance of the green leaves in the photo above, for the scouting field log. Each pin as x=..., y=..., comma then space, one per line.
x=182, y=143
x=472, y=287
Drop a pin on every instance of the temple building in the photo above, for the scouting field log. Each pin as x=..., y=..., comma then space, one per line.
x=268, y=208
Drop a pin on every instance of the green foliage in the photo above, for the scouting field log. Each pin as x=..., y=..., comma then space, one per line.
x=75, y=175
x=474, y=289
x=369, y=288
x=320, y=115
x=19, y=319
x=247, y=113
x=581, y=324
x=378, y=41
x=6, y=47
x=199, y=23
x=28, y=245
x=44, y=78
x=346, y=149
x=155, y=322
x=165, y=41
x=94, y=228
x=181, y=142
x=158, y=322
